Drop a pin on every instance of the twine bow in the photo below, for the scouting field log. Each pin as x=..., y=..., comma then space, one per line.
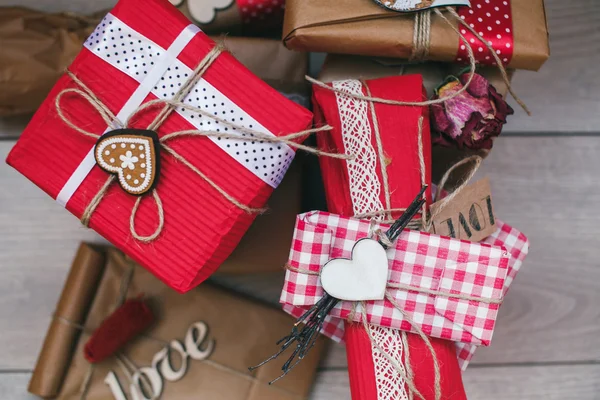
x=168, y=106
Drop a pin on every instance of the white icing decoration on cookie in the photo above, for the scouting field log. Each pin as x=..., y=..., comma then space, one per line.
x=129, y=161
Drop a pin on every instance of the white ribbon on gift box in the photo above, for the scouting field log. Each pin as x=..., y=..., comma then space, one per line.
x=160, y=72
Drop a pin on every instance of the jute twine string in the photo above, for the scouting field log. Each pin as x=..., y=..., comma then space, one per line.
x=472, y=64
x=410, y=288
x=168, y=106
x=407, y=367
x=443, y=203
x=421, y=35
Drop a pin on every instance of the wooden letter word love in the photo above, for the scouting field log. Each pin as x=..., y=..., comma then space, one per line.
x=197, y=347
x=470, y=215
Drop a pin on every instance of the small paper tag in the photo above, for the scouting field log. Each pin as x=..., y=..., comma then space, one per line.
x=418, y=5
x=470, y=215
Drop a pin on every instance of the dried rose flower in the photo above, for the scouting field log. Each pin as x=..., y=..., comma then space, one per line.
x=473, y=118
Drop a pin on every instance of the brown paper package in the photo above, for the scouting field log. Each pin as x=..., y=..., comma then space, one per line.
x=271, y=61
x=36, y=47
x=362, y=27
x=244, y=332
x=266, y=245
x=342, y=66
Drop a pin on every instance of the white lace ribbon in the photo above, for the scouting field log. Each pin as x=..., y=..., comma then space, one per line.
x=365, y=191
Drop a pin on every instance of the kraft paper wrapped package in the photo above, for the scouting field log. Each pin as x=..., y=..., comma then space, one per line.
x=516, y=29
x=237, y=332
x=271, y=61
x=206, y=191
x=36, y=48
x=265, y=246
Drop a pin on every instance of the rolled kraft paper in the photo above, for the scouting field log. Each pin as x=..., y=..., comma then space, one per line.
x=399, y=136
x=123, y=325
x=72, y=308
x=362, y=27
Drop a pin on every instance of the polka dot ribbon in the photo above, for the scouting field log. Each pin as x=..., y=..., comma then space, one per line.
x=492, y=19
x=258, y=11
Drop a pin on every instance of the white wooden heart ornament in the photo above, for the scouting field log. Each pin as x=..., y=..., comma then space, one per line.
x=132, y=155
x=361, y=278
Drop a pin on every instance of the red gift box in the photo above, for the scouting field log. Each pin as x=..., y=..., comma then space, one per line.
x=357, y=188
x=144, y=50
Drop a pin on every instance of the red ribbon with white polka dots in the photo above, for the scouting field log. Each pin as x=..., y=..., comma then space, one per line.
x=492, y=19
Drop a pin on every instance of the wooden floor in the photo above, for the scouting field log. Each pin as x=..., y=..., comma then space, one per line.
x=544, y=172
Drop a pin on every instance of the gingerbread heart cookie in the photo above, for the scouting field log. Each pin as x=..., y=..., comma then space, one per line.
x=132, y=155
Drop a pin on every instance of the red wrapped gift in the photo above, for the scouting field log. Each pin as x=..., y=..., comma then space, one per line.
x=142, y=51
x=392, y=162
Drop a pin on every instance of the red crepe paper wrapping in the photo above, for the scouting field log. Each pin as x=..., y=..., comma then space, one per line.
x=399, y=136
x=201, y=227
x=128, y=321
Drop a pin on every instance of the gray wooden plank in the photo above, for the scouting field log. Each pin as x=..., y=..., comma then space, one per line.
x=544, y=186
x=38, y=239
x=580, y=382
x=564, y=95
x=13, y=386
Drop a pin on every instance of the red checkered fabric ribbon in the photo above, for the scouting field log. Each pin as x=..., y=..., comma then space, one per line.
x=418, y=259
